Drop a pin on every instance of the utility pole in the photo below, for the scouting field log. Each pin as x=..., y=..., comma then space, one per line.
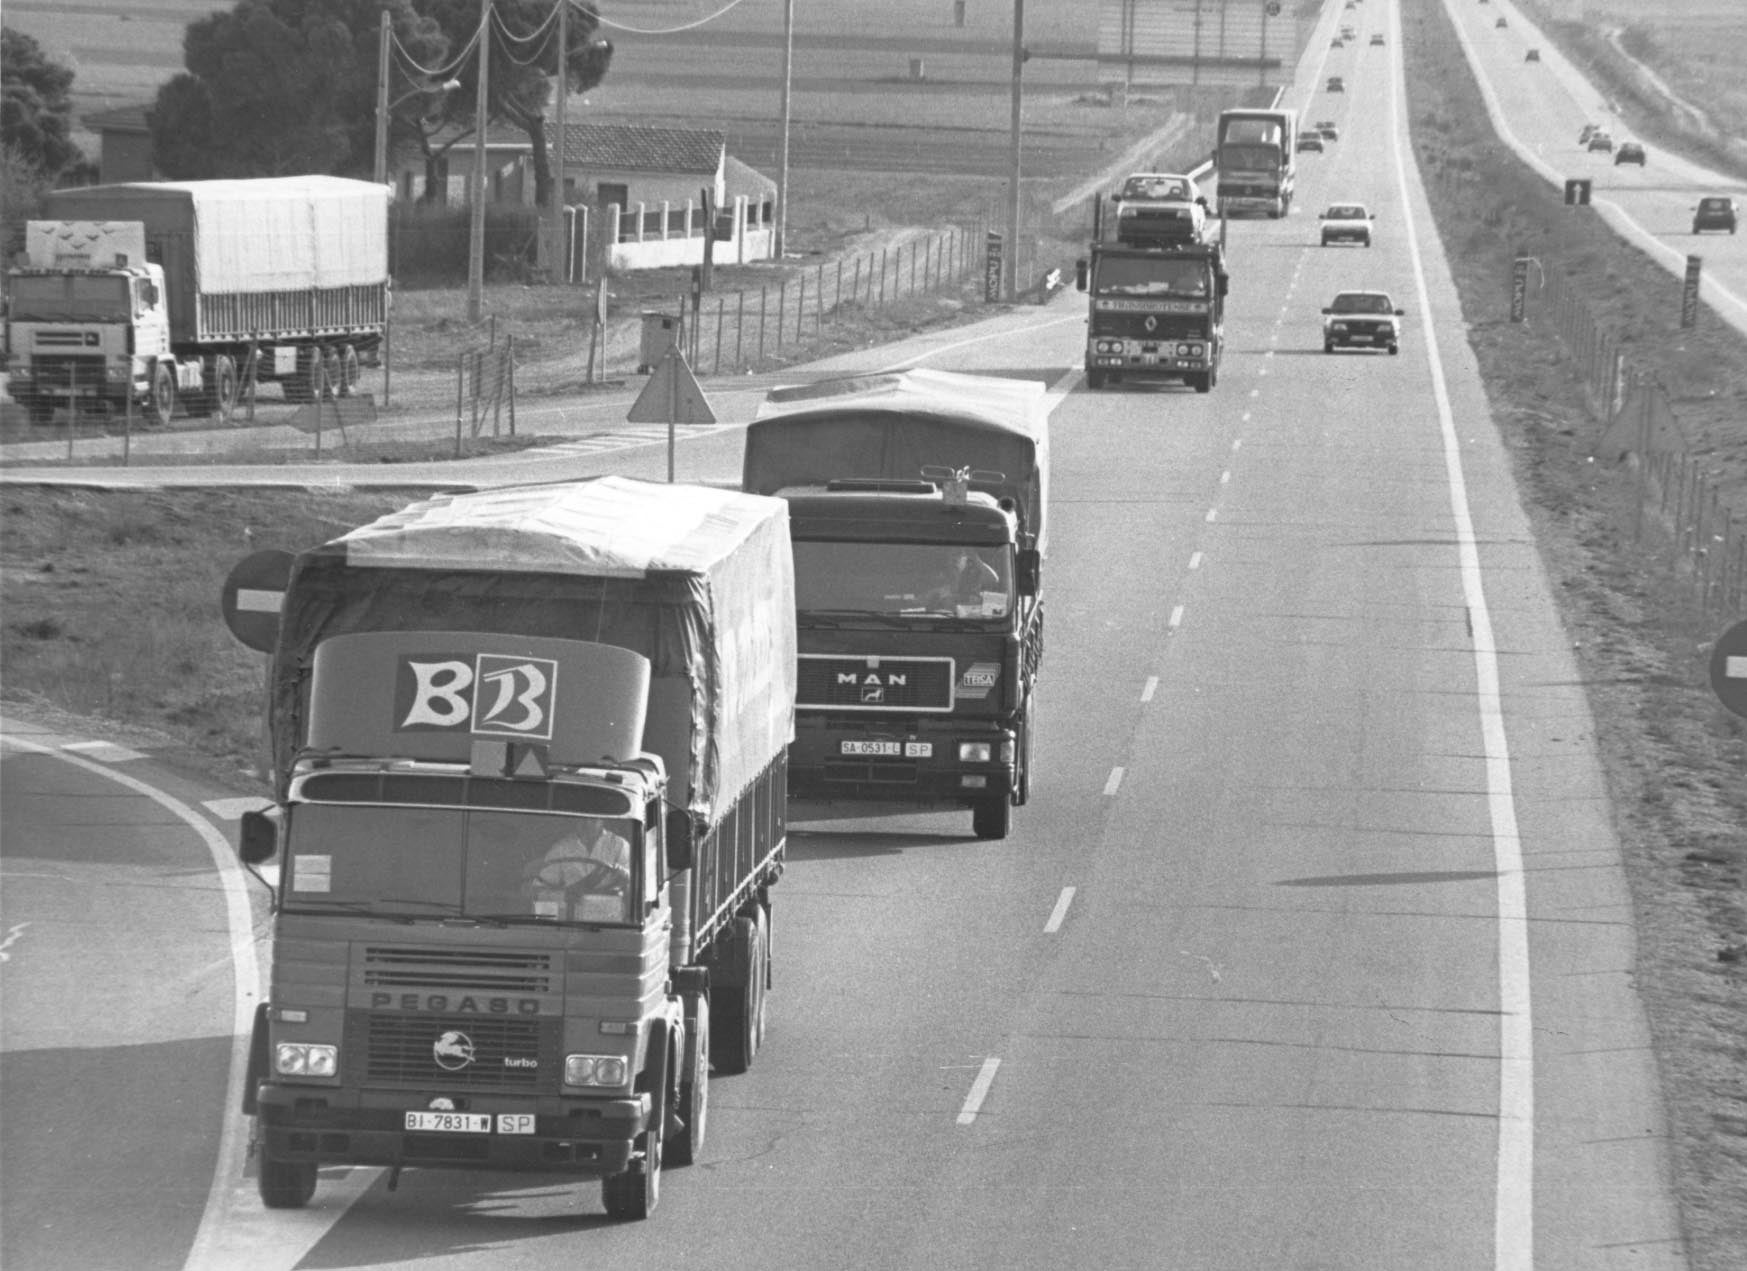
x=555, y=235
x=476, y=228
x=782, y=180
x=381, y=169
x=1010, y=267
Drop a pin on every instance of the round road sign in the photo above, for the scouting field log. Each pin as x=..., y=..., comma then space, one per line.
x=1729, y=668
x=253, y=596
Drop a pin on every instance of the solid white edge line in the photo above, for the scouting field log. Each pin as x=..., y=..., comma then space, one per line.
x=1513, y=1202
x=240, y=918
x=1060, y=912
x=973, y=1101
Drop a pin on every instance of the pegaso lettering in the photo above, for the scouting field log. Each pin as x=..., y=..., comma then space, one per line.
x=493, y=695
x=462, y=1004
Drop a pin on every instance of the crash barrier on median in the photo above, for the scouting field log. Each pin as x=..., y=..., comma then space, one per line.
x=1678, y=505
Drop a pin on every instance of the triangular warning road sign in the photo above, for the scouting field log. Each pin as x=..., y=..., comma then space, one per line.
x=671, y=396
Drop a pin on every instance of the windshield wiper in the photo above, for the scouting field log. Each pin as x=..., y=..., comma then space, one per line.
x=830, y=616
x=365, y=907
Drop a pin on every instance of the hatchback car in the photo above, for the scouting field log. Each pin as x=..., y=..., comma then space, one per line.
x=1599, y=140
x=1715, y=211
x=1346, y=223
x=1336, y=84
x=1589, y=130
x=1329, y=132
x=1630, y=152
x=1533, y=55
x=1336, y=43
x=1501, y=24
x=1362, y=320
x=1376, y=40
x=1310, y=142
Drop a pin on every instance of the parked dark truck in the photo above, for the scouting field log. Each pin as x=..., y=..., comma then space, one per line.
x=157, y=293
x=917, y=509
x=529, y=758
x=1157, y=305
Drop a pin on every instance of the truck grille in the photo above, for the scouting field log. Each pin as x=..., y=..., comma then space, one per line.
x=522, y=971
x=1166, y=326
x=65, y=373
x=477, y=1052
x=844, y=683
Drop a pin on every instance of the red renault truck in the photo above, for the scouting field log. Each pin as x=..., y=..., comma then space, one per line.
x=529, y=755
x=917, y=509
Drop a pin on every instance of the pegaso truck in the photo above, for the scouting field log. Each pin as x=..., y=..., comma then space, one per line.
x=917, y=510
x=149, y=294
x=529, y=753
x=1256, y=153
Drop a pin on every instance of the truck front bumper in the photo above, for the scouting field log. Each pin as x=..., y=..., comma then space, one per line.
x=349, y=1127
x=922, y=766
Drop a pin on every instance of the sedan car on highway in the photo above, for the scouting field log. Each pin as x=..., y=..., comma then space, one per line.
x=1600, y=141
x=1630, y=152
x=1533, y=55
x=1501, y=24
x=1311, y=142
x=1346, y=223
x=1336, y=84
x=1714, y=211
x=1589, y=130
x=1328, y=132
x=1376, y=40
x=1362, y=320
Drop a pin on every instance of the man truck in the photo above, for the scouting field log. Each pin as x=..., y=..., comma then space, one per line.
x=528, y=752
x=1156, y=304
x=142, y=295
x=917, y=510
x=1256, y=153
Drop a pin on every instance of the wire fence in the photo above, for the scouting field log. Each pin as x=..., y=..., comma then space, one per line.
x=1681, y=506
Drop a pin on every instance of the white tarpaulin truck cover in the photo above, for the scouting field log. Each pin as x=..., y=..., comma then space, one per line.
x=698, y=580
x=892, y=425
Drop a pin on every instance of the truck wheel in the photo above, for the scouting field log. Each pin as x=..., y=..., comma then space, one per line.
x=285, y=1184
x=1394, y=349
x=737, y=1004
x=163, y=395
x=1328, y=346
x=350, y=371
x=694, y=1095
x=222, y=397
x=992, y=818
x=305, y=384
x=333, y=374
x=1094, y=380
x=633, y=1195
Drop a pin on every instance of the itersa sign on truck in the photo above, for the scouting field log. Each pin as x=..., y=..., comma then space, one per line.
x=530, y=764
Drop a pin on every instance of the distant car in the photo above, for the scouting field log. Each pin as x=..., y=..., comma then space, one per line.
x=1310, y=142
x=1377, y=40
x=1589, y=130
x=1336, y=43
x=1346, y=223
x=1714, y=211
x=1336, y=84
x=1320, y=124
x=1361, y=320
x=1599, y=140
x=1329, y=132
x=1501, y=24
x=1160, y=206
x=1533, y=55
x=1630, y=152
x=1347, y=33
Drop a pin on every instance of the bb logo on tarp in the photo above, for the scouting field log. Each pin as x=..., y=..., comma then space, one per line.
x=494, y=695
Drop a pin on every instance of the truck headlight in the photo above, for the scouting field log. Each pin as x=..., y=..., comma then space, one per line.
x=303, y=1059
x=975, y=752
x=595, y=1070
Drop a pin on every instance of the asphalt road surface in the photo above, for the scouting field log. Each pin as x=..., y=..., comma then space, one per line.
x=1311, y=950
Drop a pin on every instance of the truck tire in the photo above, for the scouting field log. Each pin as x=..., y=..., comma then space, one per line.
x=737, y=998
x=687, y=1144
x=285, y=1184
x=163, y=404
x=1094, y=380
x=350, y=371
x=992, y=818
x=305, y=384
x=633, y=1195
x=333, y=374
x=226, y=386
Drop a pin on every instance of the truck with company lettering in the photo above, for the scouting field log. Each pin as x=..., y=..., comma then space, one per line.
x=148, y=295
x=1256, y=154
x=1156, y=304
x=917, y=504
x=529, y=760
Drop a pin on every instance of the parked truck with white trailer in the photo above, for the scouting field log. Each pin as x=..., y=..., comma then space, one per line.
x=146, y=296
x=529, y=755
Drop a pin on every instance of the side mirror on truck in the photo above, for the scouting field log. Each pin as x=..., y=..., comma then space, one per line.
x=1081, y=270
x=257, y=838
x=1029, y=570
x=1224, y=285
x=680, y=849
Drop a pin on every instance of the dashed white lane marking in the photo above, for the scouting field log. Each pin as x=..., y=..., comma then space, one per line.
x=1225, y=477
x=1212, y=513
x=17, y=930
x=1237, y=443
x=103, y=751
x=1149, y=688
x=1056, y=915
x=1115, y=783
x=973, y=1101
x=1194, y=560
x=1176, y=619
x=1255, y=392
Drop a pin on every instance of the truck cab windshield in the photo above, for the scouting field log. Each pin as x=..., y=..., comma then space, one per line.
x=467, y=862
x=904, y=579
x=1150, y=276
x=1249, y=159
x=70, y=298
